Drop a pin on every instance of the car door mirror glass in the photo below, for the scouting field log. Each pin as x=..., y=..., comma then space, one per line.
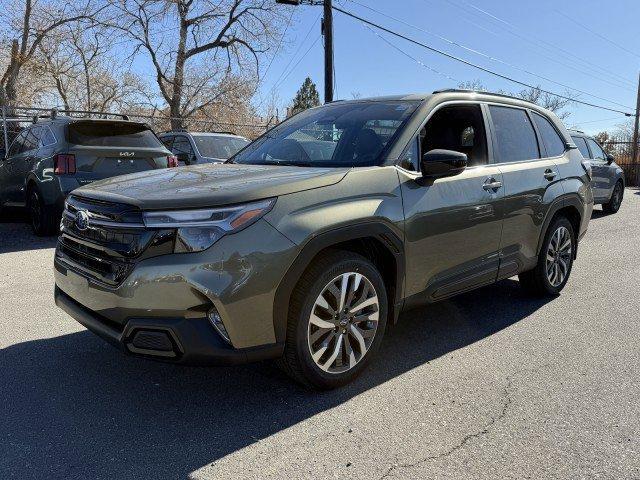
x=442, y=163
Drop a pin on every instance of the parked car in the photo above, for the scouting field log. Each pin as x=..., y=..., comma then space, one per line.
x=303, y=253
x=198, y=147
x=55, y=155
x=607, y=176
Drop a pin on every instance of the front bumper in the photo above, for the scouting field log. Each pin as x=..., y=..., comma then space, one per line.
x=177, y=340
x=171, y=295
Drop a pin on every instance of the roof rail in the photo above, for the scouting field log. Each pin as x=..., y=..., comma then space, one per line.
x=54, y=112
x=463, y=90
x=575, y=130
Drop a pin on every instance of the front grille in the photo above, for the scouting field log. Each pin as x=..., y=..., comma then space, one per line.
x=108, y=246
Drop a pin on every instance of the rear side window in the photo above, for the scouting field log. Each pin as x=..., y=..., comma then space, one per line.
x=582, y=146
x=112, y=134
x=17, y=146
x=553, y=143
x=596, y=151
x=47, y=137
x=515, y=137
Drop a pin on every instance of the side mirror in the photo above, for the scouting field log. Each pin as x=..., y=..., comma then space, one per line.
x=442, y=163
x=610, y=159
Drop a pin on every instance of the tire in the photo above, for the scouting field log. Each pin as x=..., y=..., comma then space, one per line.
x=355, y=341
x=613, y=205
x=553, y=269
x=43, y=219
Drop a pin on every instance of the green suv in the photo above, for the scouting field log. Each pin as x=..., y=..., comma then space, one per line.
x=309, y=242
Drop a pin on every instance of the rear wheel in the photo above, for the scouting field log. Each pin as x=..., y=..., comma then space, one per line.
x=42, y=217
x=337, y=319
x=613, y=205
x=554, y=261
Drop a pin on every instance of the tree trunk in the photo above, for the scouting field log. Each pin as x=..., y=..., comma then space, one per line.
x=178, y=78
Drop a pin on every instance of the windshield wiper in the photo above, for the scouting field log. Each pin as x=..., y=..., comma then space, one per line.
x=287, y=163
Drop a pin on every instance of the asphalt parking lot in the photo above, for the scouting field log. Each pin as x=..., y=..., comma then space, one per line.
x=491, y=384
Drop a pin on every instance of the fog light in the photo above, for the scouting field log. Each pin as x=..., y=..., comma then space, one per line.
x=216, y=321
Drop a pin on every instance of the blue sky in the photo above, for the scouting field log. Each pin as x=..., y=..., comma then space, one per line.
x=589, y=45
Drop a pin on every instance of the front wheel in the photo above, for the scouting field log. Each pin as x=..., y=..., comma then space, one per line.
x=554, y=261
x=337, y=319
x=613, y=205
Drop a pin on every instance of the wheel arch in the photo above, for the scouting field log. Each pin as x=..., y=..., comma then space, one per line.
x=569, y=207
x=374, y=240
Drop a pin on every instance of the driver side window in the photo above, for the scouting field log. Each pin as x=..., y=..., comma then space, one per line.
x=459, y=128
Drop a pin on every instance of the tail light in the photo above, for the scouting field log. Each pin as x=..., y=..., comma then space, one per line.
x=172, y=161
x=64, y=163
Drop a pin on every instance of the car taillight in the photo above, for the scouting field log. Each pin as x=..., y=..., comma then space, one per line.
x=172, y=161
x=64, y=163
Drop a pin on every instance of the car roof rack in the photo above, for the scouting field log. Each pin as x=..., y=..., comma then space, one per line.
x=33, y=113
x=493, y=94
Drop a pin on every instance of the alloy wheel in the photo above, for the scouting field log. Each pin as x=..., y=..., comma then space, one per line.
x=343, y=322
x=559, y=256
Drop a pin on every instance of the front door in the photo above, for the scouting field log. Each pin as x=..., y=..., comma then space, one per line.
x=452, y=224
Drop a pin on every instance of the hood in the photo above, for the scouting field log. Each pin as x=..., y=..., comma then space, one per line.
x=208, y=185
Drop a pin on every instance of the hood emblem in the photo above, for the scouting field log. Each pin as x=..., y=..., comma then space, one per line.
x=82, y=220
x=127, y=154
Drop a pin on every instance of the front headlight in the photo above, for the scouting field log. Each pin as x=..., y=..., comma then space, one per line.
x=198, y=229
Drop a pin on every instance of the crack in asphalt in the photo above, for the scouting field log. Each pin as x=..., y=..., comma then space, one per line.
x=507, y=400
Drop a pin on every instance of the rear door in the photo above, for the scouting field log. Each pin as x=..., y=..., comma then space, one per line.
x=531, y=182
x=601, y=178
x=10, y=183
x=105, y=149
x=23, y=154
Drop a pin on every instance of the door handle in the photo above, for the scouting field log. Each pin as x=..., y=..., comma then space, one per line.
x=491, y=184
x=550, y=174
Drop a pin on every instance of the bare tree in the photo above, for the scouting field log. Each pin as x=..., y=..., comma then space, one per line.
x=212, y=43
x=534, y=95
x=25, y=25
x=85, y=75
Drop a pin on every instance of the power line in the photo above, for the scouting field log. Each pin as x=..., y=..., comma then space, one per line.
x=471, y=64
x=275, y=53
x=409, y=56
x=477, y=52
x=590, y=30
x=298, y=62
x=296, y=52
x=598, y=121
x=513, y=30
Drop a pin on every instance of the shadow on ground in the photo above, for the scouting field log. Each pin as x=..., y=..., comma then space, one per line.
x=75, y=407
x=16, y=234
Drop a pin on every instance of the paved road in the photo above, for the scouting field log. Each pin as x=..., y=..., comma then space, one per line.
x=488, y=385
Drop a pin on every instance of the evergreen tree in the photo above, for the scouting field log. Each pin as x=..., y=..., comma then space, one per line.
x=306, y=97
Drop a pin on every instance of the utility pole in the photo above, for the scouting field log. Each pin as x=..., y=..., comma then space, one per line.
x=327, y=32
x=634, y=162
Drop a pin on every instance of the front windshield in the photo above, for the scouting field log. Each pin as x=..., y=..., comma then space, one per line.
x=350, y=134
x=219, y=147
